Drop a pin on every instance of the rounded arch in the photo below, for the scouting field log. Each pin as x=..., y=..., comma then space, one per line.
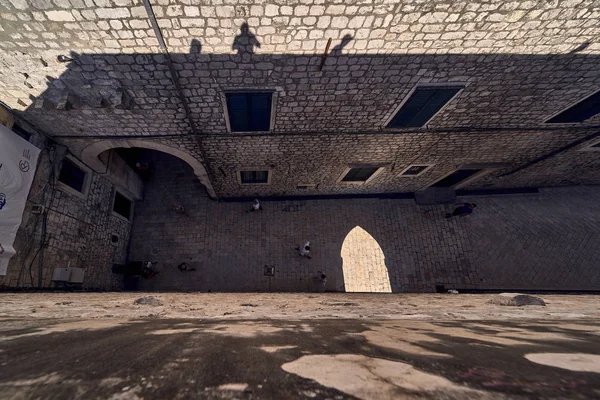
x=89, y=155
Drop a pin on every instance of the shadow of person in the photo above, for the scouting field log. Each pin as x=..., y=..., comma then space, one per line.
x=195, y=46
x=337, y=50
x=245, y=42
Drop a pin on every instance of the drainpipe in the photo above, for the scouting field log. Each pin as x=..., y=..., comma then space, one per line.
x=175, y=78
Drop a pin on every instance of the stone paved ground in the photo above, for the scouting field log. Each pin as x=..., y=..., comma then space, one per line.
x=543, y=241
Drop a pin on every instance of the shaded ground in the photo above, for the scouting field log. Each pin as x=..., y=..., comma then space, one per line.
x=289, y=305
x=543, y=241
x=300, y=359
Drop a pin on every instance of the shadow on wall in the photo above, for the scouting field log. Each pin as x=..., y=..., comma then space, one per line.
x=228, y=246
x=133, y=95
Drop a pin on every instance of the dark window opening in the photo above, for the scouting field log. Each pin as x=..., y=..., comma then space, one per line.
x=305, y=187
x=359, y=174
x=422, y=105
x=415, y=170
x=249, y=112
x=71, y=175
x=21, y=132
x=122, y=205
x=456, y=177
x=253, y=177
x=581, y=111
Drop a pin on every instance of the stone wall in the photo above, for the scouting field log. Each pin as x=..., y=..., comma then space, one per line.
x=521, y=62
x=78, y=229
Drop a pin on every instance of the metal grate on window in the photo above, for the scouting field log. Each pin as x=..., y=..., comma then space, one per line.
x=71, y=175
x=422, y=105
x=248, y=177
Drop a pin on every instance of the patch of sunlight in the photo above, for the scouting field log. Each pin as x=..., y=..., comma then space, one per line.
x=572, y=361
x=364, y=266
x=374, y=378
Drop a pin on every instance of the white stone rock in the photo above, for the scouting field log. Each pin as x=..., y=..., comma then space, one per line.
x=60, y=16
x=116, y=24
x=191, y=11
x=339, y=22
x=112, y=13
x=271, y=10
x=335, y=9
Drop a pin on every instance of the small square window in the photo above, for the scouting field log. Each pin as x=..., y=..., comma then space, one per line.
x=249, y=112
x=72, y=176
x=359, y=174
x=122, y=205
x=422, y=105
x=254, y=177
x=579, y=112
x=415, y=170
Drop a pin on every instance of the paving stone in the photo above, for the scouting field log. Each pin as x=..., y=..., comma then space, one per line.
x=544, y=241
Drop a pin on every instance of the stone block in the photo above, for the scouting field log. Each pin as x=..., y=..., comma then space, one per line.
x=517, y=300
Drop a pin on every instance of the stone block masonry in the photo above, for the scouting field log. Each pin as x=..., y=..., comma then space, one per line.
x=79, y=228
x=542, y=241
x=520, y=63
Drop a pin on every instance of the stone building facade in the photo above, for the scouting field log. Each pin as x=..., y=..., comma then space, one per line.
x=99, y=74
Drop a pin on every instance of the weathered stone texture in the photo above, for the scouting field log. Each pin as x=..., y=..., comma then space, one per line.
x=79, y=230
x=521, y=62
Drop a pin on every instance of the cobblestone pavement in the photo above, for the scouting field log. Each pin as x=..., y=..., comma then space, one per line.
x=538, y=241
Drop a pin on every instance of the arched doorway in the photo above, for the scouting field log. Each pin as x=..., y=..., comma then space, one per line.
x=363, y=265
x=90, y=153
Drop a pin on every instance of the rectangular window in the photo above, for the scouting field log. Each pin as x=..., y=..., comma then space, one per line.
x=581, y=111
x=21, y=132
x=415, y=170
x=71, y=175
x=249, y=112
x=254, y=177
x=359, y=174
x=422, y=105
x=122, y=205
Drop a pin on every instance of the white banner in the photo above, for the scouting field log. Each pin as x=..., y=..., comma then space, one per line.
x=18, y=159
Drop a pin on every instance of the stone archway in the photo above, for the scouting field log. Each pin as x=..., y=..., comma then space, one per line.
x=364, y=265
x=89, y=155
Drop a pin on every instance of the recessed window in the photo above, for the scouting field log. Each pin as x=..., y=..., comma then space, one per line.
x=415, y=170
x=593, y=147
x=254, y=177
x=72, y=176
x=581, y=111
x=21, y=132
x=359, y=174
x=122, y=205
x=422, y=105
x=249, y=112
